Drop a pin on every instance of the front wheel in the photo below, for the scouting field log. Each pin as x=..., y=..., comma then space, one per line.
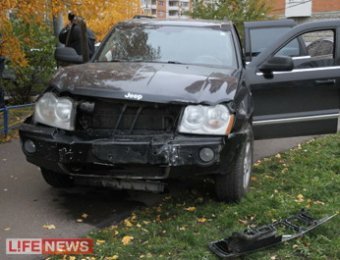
x=233, y=185
x=56, y=180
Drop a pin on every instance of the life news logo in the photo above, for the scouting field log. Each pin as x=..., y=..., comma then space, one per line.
x=49, y=246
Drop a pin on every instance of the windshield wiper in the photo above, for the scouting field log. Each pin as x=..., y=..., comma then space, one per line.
x=146, y=61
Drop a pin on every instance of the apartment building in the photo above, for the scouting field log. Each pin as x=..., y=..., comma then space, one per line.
x=176, y=9
x=305, y=10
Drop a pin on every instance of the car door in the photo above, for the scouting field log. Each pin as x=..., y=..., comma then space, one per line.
x=261, y=34
x=306, y=99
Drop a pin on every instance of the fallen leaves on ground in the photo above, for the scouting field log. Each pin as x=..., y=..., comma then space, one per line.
x=299, y=198
x=201, y=220
x=127, y=223
x=190, y=209
x=257, y=163
x=243, y=221
x=253, y=178
x=133, y=217
x=127, y=240
x=49, y=226
x=114, y=257
x=99, y=242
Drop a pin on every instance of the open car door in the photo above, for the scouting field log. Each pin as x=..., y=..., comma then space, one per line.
x=298, y=94
x=259, y=35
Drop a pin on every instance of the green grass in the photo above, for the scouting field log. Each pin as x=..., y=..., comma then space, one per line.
x=307, y=176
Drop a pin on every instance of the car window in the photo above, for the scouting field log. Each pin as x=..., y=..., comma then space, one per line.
x=261, y=38
x=292, y=49
x=319, y=47
x=173, y=44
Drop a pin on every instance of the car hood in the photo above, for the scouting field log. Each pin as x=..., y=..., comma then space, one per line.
x=151, y=82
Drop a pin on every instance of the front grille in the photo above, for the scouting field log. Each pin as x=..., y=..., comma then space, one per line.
x=130, y=118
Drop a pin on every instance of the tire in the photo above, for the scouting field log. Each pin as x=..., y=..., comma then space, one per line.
x=56, y=179
x=233, y=185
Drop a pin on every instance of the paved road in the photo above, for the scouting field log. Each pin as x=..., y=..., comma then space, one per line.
x=27, y=203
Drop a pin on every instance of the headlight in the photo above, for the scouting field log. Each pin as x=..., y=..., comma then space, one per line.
x=54, y=111
x=206, y=120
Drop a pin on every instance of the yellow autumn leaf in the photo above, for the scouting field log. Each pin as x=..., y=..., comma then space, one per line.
x=114, y=257
x=99, y=242
x=127, y=223
x=299, y=198
x=243, y=221
x=278, y=156
x=257, y=163
x=126, y=240
x=49, y=226
x=190, y=209
x=133, y=217
x=201, y=220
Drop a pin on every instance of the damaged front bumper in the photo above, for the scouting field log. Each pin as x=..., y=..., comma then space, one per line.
x=253, y=239
x=142, y=157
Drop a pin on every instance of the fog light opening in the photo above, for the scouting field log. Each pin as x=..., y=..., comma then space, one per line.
x=206, y=154
x=29, y=146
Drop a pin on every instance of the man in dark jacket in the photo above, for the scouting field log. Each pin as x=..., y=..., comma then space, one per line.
x=71, y=36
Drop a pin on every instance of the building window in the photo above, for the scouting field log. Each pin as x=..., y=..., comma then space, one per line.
x=173, y=13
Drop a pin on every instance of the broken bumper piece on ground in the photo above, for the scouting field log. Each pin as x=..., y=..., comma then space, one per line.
x=253, y=239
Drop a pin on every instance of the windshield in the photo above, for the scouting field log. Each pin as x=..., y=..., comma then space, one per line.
x=169, y=44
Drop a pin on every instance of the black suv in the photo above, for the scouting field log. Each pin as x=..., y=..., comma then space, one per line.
x=163, y=99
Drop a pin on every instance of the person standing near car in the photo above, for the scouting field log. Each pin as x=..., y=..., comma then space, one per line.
x=71, y=35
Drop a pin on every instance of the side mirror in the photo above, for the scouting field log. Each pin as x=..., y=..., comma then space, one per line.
x=279, y=63
x=67, y=55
